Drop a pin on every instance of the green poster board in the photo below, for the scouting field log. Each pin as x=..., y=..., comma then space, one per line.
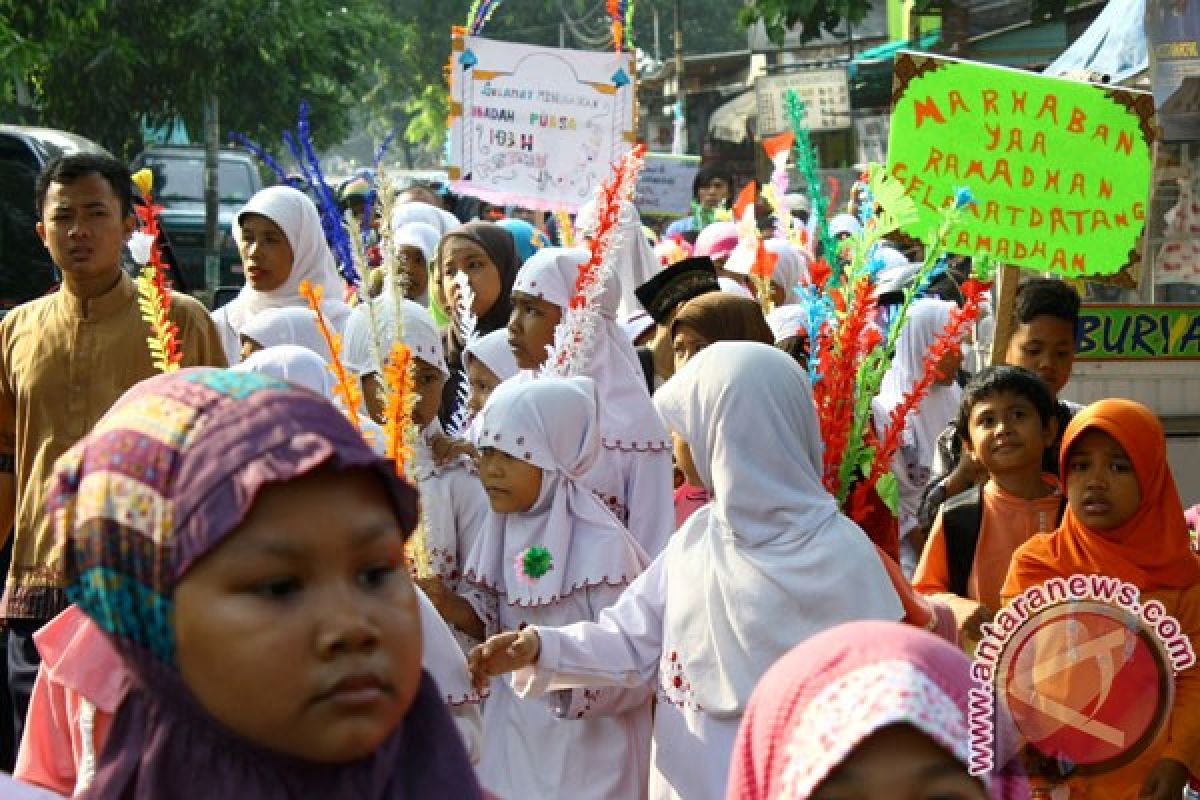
x=1060, y=170
x=1138, y=333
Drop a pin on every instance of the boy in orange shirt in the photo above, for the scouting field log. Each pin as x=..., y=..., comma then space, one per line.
x=1008, y=419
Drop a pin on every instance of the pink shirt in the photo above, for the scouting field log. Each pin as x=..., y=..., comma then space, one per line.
x=79, y=687
x=688, y=499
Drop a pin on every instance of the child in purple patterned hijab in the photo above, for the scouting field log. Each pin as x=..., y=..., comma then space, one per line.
x=243, y=550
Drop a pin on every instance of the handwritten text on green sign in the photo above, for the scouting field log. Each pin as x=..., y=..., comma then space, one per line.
x=1060, y=170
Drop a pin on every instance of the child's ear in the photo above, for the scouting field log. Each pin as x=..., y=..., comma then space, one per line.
x=966, y=445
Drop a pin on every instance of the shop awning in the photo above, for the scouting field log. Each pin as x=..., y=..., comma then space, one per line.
x=728, y=122
x=888, y=50
x=1114, y=45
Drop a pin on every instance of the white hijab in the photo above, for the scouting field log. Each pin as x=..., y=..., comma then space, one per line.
x=927, y=318
x=277, y=326
x=791, y=268
x=771, y=560
x=493, y=352
x=788, y=321
x=292, y=364
x=418, y=332
x=553, y=424
x=416, y=211
x=627, y=420
x=312, y=260
x=636, y=261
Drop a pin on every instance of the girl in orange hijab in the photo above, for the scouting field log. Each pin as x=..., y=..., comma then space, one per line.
x=1124, y=519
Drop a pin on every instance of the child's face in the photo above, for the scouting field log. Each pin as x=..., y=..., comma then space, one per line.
x=1007, y=435
x=1045, y=346
x=686, y=343
x=1102, y=488
x=482, y=382
x=375, y=397
x=713, y=193
x=461, y=254
x=899, y=763
x=412, y=260
x=531, y=329
x=249, y=347
x=684, y=461
x=512, y=485
x=429, y=381
x=301, y=631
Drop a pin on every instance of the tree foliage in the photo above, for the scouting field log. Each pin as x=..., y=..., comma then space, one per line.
x=98, y=73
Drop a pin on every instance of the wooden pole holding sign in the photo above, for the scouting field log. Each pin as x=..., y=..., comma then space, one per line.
x=1007, y=277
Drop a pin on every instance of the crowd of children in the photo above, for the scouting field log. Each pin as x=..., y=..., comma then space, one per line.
x=628, y=582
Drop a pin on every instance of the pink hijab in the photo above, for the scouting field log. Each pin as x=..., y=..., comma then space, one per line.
x=825, y=697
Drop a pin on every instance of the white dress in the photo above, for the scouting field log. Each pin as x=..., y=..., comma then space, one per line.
x=588, y=743
x=628, y=646
x=638, y=487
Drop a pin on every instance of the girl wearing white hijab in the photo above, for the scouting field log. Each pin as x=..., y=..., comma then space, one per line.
x=790, y=269
x=302, y=367
x=422, y=238
x=633, y=475
x=292, y=364
x=489, y=362
x=927, y=317
x=454, y=508
x=278, y=326
x=282, y=244
x=538, y=439
x=635, y=261
x=767, y=564
x=416, y=211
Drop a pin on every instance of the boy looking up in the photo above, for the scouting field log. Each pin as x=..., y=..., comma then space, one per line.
x=1008, y=419
x=1043, y=342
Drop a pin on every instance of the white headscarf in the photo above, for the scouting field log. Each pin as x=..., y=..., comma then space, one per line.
x=730, y=286
x=495, y=354
x=791, y=267
x=418, y=332
x=636, y=261
x=416, y=211
x=312, y=259
x=844, y=223
x=293, y=364
x=788, y=321
x=627, y=419
x=552, y=423
x=277, y=326
x=771, y=560
x=420, y=235
x=927, y=318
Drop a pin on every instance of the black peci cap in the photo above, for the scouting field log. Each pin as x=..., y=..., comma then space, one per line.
x=681, y=281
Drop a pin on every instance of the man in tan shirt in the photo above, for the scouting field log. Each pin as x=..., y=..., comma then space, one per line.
x=64, y=359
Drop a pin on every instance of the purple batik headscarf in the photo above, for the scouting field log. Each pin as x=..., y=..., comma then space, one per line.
x=164, y=477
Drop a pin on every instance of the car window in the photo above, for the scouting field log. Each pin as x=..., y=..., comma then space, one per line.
x=26, y=270
x=182, y=180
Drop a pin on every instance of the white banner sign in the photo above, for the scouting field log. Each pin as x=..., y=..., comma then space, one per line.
x=826, y=96
x=538, y=127
x=665, y=185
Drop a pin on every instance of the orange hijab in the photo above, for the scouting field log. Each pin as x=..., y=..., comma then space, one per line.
x=1152, y=550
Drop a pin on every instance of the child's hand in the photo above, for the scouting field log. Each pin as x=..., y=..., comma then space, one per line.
x=504, y=652
x=972, y=626
x=445, y=449
x=1165, y=781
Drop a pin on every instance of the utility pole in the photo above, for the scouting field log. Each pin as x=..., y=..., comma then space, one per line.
x=679, y=95
x=212, y=207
